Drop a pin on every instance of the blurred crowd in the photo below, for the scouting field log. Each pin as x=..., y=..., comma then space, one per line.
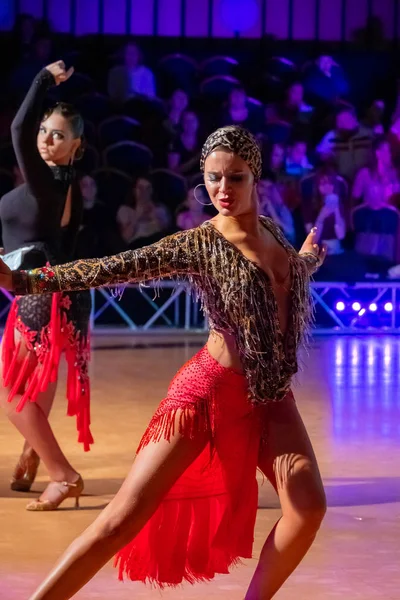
x=326, y=162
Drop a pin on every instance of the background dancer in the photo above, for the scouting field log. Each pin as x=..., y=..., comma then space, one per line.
x=40, y=220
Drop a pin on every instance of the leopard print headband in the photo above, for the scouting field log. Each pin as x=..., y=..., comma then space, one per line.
x=237, y=140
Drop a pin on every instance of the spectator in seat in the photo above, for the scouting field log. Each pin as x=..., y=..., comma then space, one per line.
x=294, y=110
x=330, y=221
x=376, y=232
x=132, y=77
x=325, y=82
x=349, y=144
x=276, y=130
x=272, y=205
x=98, y=234
x=177, y=106
x=277, y=159
x=381, y=173
x=315, y=187
x=147, y=221
x=239, y=112
x=297, y=163
x=192, y=212
x=374, y=117
x=126, y=223
x=187, y=146
x=341, y=264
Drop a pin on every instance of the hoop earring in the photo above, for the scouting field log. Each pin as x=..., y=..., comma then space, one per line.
x=196, y=198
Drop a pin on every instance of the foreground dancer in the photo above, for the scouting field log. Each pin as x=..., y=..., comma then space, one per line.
x=187, y=509
x=40, y=220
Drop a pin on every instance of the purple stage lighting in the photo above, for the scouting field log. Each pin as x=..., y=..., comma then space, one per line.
x=388, y=307
x=340, y=306
x=373, y=307
x=356, y=306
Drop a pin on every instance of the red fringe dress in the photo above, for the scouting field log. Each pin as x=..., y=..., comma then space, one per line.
x=205, y=524
x=49, y=326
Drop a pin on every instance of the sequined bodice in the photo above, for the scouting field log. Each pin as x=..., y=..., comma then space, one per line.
x=235, y=293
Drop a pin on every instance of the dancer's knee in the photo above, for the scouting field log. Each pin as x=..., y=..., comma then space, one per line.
x=308, y=515
x=302, y=494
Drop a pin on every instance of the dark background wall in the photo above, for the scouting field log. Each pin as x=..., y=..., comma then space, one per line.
x=325, y=20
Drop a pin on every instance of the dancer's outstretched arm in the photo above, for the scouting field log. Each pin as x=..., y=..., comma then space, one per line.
x=173, y=255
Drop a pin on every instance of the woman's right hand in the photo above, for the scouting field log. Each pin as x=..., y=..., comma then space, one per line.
x=59, y=72
x=5, y=276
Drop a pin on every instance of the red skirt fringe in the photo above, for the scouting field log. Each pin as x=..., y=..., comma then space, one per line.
x=32, y=374
x=206, y=522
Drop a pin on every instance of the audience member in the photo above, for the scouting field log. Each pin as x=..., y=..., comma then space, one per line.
x=187, y=145
x=239, y=112
x=132, y=77
x=149, y=220
x=380, y=174
x=272, y=205
x=296, y=163
x=376, y=232
x=294, y=110
x=325, y=82
x=349, y=144
x=313, y=191
x=192, y=212
x=98, y=234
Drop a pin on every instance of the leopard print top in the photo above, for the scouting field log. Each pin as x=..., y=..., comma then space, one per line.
x=236, y=294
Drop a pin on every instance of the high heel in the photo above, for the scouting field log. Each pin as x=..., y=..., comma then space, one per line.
x=72, y=490
x=25, y=472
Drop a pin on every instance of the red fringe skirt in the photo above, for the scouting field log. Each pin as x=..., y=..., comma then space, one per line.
x=206, y=522
x=48, y=325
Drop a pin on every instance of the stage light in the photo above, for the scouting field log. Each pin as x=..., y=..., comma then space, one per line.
x=356, y=306
x=362, y=312
x=373, y=307
x=388, y=307
x=340, y=306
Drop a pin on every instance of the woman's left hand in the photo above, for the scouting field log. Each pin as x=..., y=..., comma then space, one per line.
x=311, y=246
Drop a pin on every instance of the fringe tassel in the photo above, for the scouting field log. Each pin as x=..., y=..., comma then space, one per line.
x=34, y=373
x=165, y=424
x=179, y=544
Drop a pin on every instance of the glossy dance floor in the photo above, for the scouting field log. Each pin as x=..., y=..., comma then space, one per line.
x=349, y=396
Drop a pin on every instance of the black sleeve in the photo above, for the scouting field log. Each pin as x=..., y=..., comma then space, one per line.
x=24, y=130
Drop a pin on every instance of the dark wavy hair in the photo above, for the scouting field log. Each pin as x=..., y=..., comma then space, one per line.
x=75, y=121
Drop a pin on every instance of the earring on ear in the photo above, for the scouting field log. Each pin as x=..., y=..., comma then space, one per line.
x=80, y=151
x=194, y=193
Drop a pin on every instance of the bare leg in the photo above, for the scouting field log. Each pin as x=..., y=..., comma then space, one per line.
x=25, y=471
x=34, y=426
x=289, y=462
x=45, y=401
x=155, y=470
